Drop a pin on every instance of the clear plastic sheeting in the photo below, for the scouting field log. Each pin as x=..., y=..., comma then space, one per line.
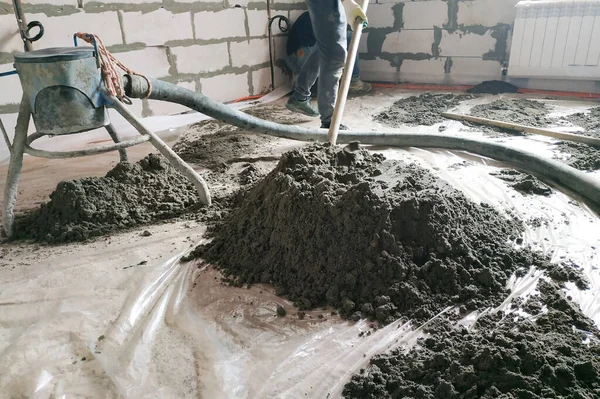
x=124, y=317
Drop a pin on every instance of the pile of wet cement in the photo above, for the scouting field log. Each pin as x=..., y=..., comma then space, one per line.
x=520, y=111
x=589, y=121
x=374, y=238
x=582, y=156
x=131, y=194
x=424, y=110
x=493, y=87
x=215, y=144
x=523, y=182
x=499, y=357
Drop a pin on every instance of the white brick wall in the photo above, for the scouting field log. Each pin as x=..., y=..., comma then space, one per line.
x=261, y=81
x=425, y=71
x=58, y=31
x=226, y=87
x=487, y=12
x=151, y=61
x=425, y=14
x=53, y=2
x=201, y=59
x=10, y=92
x=157, y=27
x=409, y=41
x=474, y=70
x=294, y=14
x=220, y=24
x=258, y=21
x=155, y=32
x=10, y=40
x=255, y=52
x=377, y=70
x=466, y=44
x=380, y=15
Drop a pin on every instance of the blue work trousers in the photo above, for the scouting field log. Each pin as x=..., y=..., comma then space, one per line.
x=326, y=59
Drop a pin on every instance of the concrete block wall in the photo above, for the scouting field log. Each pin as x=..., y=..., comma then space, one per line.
x=436, y=41
x=218, y=47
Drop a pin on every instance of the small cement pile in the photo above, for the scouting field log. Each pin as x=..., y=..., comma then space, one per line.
x=581, y=156
x=519, y=111
x=589, y=121
x=129, y=195
x=373, y=238
x=493, y=87
x=523, y=182
x=500, y=357
x=422, y=110
x=213, y=144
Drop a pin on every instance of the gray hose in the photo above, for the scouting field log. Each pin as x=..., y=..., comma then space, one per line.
x=550, y=170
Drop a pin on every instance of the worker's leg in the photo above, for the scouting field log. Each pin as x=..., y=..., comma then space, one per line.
x=329, y=26
x=308, y=60
x=357, y=86
x=309, y=72
x=296, y=61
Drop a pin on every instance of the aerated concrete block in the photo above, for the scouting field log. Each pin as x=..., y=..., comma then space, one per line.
x=226, y=87
x=249, y=53
x=156, y=27
x=221, y=24
x=201, y=59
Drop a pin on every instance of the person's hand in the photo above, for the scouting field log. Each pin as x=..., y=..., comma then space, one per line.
x=353, y=11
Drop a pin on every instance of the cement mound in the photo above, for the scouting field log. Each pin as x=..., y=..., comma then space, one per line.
x=499, y=357
x=213, y=144
x=373, y=238
x=493, y=87
x=523, y=182
x=424, y=110
x=520, y=111
x=589, y=121
x=581, y=156
x=131, y=194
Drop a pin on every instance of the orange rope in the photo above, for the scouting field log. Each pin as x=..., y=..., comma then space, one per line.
x=110, y=74
x=256, y=97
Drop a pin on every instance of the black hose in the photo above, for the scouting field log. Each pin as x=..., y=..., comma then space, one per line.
x=579, y=182
x=283, y=28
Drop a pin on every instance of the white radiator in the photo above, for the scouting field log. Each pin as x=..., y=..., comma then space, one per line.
x=556, y=39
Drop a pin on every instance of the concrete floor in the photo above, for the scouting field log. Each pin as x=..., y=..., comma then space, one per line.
x=171, y=329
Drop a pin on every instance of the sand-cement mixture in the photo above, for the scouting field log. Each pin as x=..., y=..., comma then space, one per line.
x=215, y=145
x=422, y=110
x=582, y=156
x=589, y=121
x=130, y=195
x=370, y=237
x=523, y=182
x=493, y=87
x=551, y=351
x=520, y=111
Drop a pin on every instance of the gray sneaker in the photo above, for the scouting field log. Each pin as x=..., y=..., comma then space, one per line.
x=303, y=107
x=358, y=87
x=327, y=125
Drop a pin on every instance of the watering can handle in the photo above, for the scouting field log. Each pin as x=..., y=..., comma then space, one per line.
x=38, y=36
x=97, y=54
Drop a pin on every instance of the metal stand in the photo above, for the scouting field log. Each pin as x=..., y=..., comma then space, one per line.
x=21, y=145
